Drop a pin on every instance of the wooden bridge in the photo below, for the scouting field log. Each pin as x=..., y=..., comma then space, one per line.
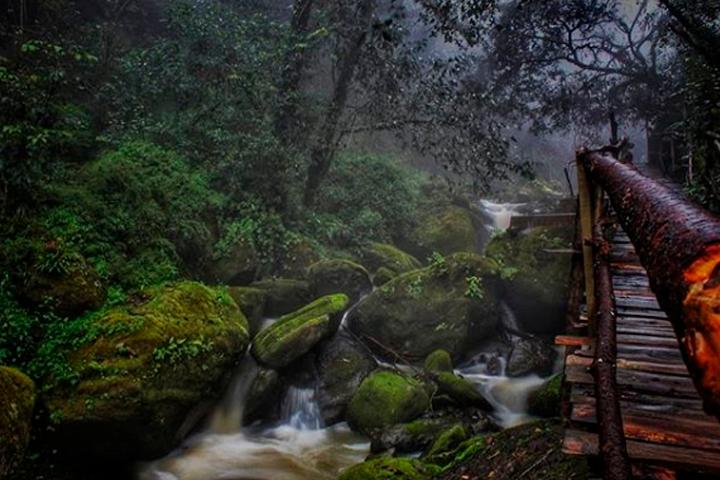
x=640, y=374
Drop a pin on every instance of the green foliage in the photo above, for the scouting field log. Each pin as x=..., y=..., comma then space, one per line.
x=39, y=123
x=176, y=350
x=437, y=263
x=18, y=328
x=365, y=197
x=474, y=287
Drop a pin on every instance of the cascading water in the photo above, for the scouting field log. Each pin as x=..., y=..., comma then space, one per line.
x=498, y=215
x=295, y=449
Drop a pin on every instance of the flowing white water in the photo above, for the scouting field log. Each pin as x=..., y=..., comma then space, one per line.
x=297, y=449
x=498, y=215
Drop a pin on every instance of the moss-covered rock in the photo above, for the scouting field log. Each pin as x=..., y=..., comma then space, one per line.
x=252, y=304
x=450, y=305
x=284, y=295
x=535, y=282
x=413, y=436
x=390, y=468
x=545, y=401
x=296, y=259
x=383, y=255
x=296, y=333
x=530, y=355
x=137, y=372
x=339, y=276
x=439, y=361
x=382, y=276
x=17, y=400
x=342, y=364
x=236, y=264
x=386, y=398
x=459, y=390
x=533, y=451
x=70, y=290
x=443, y=448
x=446, y=230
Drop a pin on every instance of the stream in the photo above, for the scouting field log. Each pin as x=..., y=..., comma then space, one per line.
x=300, y=447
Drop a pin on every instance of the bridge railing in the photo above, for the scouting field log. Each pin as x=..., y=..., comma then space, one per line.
x=678, y=243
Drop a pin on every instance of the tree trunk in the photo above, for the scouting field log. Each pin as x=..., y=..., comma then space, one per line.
x=286, y=120
x=322, y=153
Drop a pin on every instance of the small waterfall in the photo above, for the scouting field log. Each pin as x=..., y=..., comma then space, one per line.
x=300, y=409
x=228, y=416
x=498, y=215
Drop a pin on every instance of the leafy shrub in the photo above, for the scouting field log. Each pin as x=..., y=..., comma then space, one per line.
x=365, y=197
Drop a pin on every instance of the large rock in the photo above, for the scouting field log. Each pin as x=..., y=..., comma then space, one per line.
x=342, y=364
x=284, y=295
x=388, y=468
x=235, y=264
x=383, y=255
x=530, y=355
x=296, y=333
x=263, y=395
x=450, y=305
x=459, y=390
x=445, y=230
x=251, y=302
x=535, y=282
x=339, y=276
x=545, y=401
x=17, y=400
x=413, y=436
x=136, y=373
x=70, y=291
x=386, y=398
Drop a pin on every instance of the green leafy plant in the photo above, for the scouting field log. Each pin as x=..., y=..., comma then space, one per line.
x=474, y=287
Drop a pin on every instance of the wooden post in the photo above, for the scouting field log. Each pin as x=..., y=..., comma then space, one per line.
x=586, y=231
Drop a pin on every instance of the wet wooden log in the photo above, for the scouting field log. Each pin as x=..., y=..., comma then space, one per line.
x=678, y=243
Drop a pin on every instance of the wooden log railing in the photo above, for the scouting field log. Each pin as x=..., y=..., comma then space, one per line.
x=678, y=243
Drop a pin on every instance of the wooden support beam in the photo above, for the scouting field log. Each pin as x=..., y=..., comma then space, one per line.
x=586, y=224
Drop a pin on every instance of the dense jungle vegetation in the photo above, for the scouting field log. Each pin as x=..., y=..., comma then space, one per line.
x=163, y=162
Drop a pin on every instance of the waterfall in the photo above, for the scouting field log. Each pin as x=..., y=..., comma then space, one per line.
x=498, y=215
x=300, y=409
x=228, y=415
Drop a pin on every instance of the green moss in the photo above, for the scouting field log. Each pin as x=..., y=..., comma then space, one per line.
x=545, y=401
x=446, y=231
x=445, y=445
x=439, y=361
x=460, y=390
x=386, y=398
x=17, y=400
x=382, y=276
x=383, y=255
x=389, y=468
x=145, y=364
x=295, y=334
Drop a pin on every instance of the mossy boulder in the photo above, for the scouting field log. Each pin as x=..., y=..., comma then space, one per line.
x=70, y=291
x=342, y=364
x=296, y=333
x=545, y=401
x=17, y=400
x=138, y=371
x=386, y=398
x=339, y=276
x=450, y=305
x=439, y=361
x=236, y=264
x=442, y=451
x=251, y=302
x=383, y=255
x=460, y=391
x=296, y=259
x=530, y=355
x=382, y=276
x=445, y=230
x=413, y=436
x=284, y=295
x=390, y=468
x=535, y=282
